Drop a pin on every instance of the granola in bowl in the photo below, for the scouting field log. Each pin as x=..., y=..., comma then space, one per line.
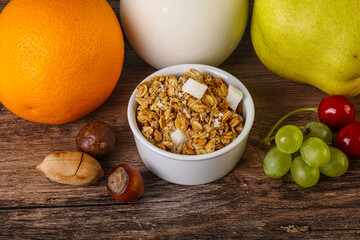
x=185, y=119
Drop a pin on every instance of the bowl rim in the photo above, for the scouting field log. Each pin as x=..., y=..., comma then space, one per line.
x=178, y=70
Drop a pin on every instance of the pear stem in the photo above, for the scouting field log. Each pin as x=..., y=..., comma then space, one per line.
x=269, y=138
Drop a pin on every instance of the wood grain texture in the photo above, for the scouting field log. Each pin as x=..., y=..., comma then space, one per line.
x=245, y=204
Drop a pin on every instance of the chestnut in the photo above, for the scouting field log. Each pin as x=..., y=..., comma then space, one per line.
x=96, y=138
x=124, y=183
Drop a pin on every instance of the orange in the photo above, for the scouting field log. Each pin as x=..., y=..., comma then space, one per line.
x=59, y=60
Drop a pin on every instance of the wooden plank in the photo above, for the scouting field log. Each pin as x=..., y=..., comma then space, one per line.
x=179, y=220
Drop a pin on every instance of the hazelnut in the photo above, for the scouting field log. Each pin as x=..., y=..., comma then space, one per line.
x=124, y=183
x=96, y=138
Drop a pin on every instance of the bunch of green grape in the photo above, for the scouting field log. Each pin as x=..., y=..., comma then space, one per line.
x=306, y=153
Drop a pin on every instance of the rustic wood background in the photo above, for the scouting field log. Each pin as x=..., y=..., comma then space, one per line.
x=244, y=204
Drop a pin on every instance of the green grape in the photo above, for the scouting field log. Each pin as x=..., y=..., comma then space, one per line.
x=289, y=139
x=337, y=165
x=319, y=130
x=276, y=163
x=303, y=174
x=315, y=152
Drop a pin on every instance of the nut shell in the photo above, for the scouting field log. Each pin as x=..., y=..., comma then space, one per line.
x=96, y=138
x=130, y=182
x=70, y=167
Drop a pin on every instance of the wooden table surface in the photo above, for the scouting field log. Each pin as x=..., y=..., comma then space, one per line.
x=244, y=204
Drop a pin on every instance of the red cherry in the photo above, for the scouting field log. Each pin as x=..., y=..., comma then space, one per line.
x=336, y=111
x=348, y=140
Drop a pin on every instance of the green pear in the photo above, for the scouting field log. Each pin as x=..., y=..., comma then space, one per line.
x=316, y=42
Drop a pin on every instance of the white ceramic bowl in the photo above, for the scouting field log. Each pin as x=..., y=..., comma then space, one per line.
x=193, y=169
x=169, y=32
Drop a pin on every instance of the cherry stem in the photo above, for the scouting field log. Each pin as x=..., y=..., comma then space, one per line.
x=269, y=138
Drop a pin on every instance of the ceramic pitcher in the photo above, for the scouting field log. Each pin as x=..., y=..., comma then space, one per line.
x=169, y=32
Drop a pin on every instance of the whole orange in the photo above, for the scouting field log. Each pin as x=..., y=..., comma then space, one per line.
x=59, y=60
